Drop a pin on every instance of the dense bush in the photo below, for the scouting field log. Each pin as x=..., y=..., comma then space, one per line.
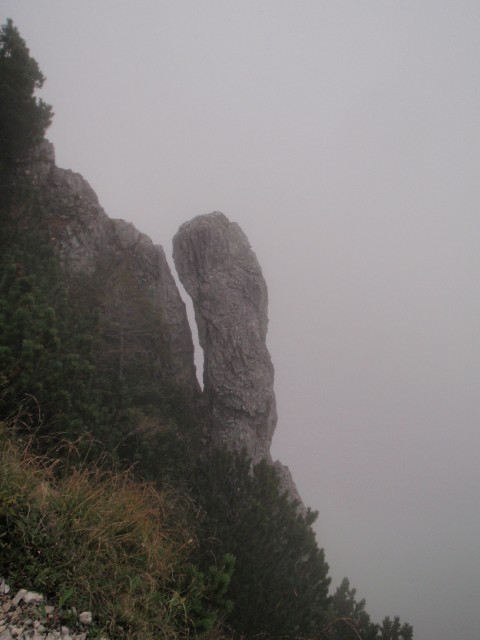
x=280, y=585
x=104, y=541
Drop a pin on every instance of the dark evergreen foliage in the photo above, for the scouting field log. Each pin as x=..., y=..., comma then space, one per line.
x=53, y=355
x=280, y=585
x=349, y=620
x=23, y=117
x=46, y=367
x=395, y=630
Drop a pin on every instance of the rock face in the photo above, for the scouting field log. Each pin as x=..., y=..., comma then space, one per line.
x=220, y=272
x=142, y=315
x=142, y=319
x=288, y=486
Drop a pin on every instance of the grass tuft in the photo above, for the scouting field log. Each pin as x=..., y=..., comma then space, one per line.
x=98, y=540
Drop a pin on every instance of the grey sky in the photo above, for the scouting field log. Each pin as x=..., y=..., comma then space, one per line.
x=344, y=138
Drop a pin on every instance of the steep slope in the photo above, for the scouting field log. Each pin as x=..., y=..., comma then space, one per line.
x=143, y=331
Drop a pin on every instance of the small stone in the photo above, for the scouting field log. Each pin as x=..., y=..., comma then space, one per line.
x=16, y=631
x=13, y=615
x=19, y=597
x=6, y=635
x=31, y=597
x=49, y=609
x=4, y=587
x=85, y=617
x=7, y=606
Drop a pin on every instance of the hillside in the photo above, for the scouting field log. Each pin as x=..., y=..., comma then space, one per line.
x=97, y=380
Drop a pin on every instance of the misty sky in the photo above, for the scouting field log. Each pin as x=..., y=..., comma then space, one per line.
x=344, y=138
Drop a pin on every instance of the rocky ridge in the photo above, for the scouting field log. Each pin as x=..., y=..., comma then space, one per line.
x=139, y=303
x=144, y=320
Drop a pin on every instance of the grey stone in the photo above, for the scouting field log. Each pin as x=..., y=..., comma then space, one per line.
x=85, y=617
x=143, y=318
x=31, y=597
x=220, y=272
x=18, y=597
x=288, y=486
x=4, y=587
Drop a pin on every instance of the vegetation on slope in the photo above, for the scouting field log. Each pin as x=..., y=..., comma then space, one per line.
x=145, y=560
x=23, y=117
x=275, y=547
x=105, y=542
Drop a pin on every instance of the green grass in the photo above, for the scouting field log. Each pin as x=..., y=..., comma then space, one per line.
x=102, y=541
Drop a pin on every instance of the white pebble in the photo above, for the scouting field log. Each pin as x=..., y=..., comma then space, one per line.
x=4, y=588
x=32, y=598
x=18, y=597
x=85, y=617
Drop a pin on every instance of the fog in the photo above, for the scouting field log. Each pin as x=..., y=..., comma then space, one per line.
x=344, y=138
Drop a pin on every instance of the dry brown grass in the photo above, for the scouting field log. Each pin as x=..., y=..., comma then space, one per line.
x=99, y=539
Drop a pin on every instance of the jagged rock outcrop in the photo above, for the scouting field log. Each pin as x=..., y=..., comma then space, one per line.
x=142, y=316
x=143, y=324
x=220, y=272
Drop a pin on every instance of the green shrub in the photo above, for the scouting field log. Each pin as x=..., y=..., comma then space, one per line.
x=280, y=585
x=105, y=542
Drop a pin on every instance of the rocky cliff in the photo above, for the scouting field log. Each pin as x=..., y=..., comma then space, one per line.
x=220, y=272
x=142, y=314
x=143, y=318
